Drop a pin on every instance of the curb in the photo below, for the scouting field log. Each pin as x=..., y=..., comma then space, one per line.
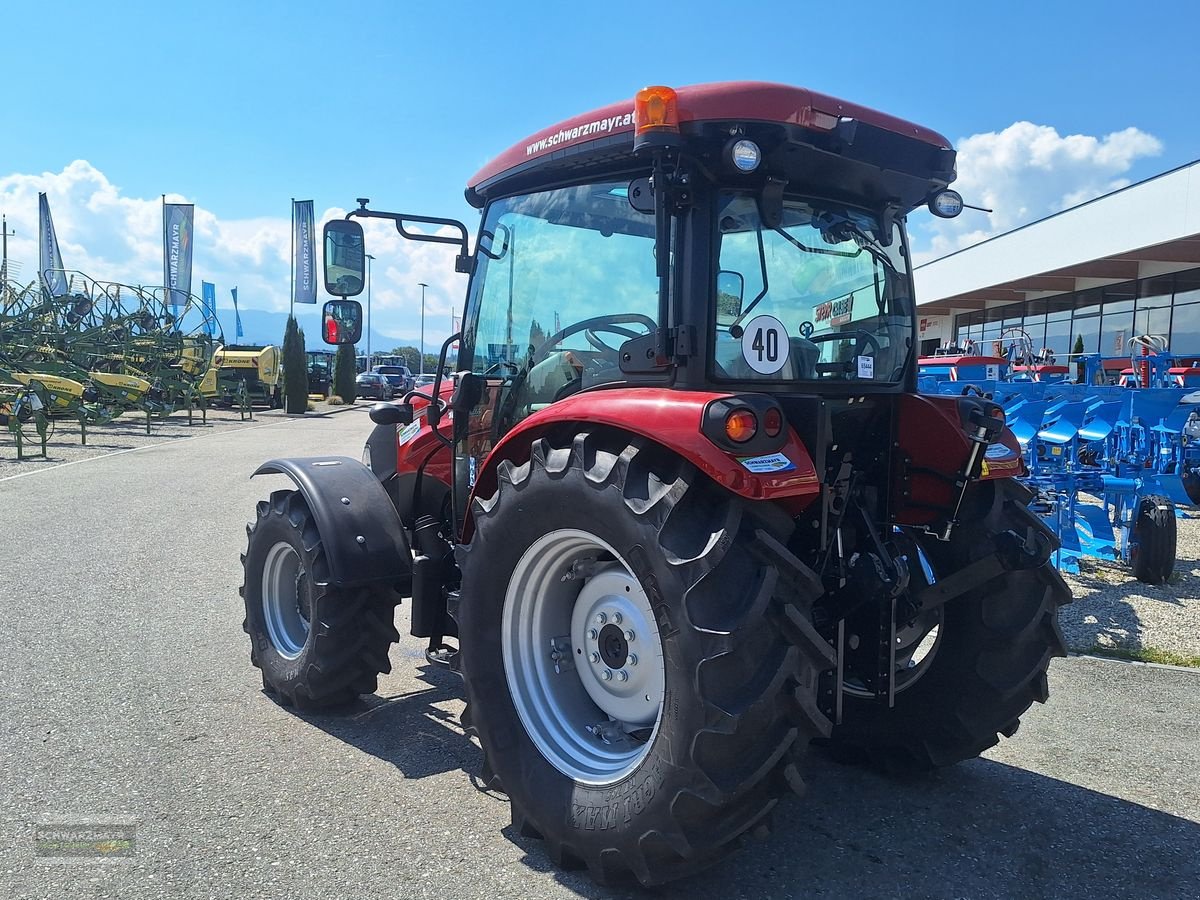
x=1134, y=662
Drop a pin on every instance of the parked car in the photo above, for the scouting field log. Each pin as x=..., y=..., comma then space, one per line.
x=424, y=380
x=375, y=386
x=399, y=377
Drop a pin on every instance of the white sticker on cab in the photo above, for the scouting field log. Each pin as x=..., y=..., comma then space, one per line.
x=408, y=432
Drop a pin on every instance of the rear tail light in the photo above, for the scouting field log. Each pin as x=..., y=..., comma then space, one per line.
x=772, y=422
x=741, y=425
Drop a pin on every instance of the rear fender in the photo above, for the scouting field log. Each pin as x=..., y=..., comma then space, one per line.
x=361, y=532
x=932, y=449
x=671, y=419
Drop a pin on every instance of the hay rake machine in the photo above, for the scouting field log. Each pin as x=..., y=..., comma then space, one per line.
x=98, y=351
x=1113, y=459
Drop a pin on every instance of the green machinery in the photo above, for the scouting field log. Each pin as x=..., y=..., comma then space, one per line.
x=98, y=351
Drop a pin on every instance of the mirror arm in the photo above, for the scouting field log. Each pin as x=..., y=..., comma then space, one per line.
x=462, y=262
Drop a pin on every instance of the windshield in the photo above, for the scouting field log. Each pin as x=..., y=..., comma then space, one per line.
x=819, y=297
x=563, y=279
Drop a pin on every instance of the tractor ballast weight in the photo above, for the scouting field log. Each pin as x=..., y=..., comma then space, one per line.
x=681, y=505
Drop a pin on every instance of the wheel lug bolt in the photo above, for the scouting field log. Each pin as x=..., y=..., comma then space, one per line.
x=594, y=657
x=593, y=634
x=629, y=636
x=633, y=659
x=601, y=618
x=622, y=675
x=617, y=618
x=606, y=674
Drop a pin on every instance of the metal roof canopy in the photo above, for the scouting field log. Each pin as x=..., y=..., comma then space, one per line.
x=1146, y=229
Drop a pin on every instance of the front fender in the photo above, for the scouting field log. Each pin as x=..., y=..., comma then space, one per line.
x=672, y=419
x=360, y=529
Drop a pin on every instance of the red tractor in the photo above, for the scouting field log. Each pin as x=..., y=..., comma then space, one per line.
x=681, y=509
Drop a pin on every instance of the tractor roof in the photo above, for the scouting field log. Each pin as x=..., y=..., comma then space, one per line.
x=606, y=133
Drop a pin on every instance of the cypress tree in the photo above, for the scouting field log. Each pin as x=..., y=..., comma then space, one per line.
x=295, y=368
x=344, y=373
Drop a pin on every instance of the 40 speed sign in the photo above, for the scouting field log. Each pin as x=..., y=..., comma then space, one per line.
x=765, y=345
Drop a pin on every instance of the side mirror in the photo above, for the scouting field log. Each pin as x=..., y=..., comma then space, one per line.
x=345, y=258
x=341, y=322
x=731, y=288
x=391, y=414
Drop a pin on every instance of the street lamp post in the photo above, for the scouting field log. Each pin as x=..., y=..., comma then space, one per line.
x=370, y=259
x=423, y=286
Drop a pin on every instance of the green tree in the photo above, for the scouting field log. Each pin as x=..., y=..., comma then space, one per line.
x=1076, y=351
x=344, y=372
x=295, y=368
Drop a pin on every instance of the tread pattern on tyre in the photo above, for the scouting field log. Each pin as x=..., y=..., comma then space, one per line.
x=990, y=670
x=759, y=656
x=352, y=628
x=1157, y=534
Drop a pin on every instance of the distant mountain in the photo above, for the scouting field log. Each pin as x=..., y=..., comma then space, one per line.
x=263, y=327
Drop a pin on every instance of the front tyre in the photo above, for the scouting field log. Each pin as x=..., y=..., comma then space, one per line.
x=637, y=655
x=317, y=645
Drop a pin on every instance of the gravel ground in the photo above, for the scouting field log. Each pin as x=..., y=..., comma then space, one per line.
x=1114, y=609
x=129, y=433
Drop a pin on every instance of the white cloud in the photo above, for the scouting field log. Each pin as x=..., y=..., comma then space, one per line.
x=114, y=237
x=1024, y=173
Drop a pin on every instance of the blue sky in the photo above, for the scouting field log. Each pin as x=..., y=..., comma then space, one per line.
x=240, y=106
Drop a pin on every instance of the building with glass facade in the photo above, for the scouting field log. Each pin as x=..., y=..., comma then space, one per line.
x=1124, y=264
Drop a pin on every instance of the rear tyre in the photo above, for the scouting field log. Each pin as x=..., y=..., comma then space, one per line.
x=654, y=770
x=1152, y=554
x=983, y=669
x=317, y=645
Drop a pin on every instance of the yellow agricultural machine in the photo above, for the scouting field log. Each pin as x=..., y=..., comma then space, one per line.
x=243, y=370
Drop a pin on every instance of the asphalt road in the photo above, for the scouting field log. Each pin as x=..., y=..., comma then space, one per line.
x=126, y=695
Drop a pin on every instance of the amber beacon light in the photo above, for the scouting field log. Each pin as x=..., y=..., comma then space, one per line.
x=655, y=116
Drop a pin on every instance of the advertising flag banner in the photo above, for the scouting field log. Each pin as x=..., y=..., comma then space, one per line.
x=50, y=263
x=237, y=316
x=303, y=252
x=208, y=293
x=177, y=251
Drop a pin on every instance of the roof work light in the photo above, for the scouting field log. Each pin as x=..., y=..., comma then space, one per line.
x=745, y=155
x=946, y=204
x=655, y=117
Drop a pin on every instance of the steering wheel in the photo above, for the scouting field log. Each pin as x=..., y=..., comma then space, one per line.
x=597, y=323
x=598, y=344
x=863, y=339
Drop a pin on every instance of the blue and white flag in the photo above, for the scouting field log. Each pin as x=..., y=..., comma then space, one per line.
x=303, y=252
x=237, y=316
x=50, y=263
x=208, y=293
x=177, y=251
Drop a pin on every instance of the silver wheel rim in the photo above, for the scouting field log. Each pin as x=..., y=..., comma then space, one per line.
x=285, y=607
x=582, y=657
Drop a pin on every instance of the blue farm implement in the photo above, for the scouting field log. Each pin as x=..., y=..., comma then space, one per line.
x=1110, y=461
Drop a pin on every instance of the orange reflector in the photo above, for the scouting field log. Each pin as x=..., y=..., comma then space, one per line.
x=772, y=422
x=654, y=109
x=741, y=425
